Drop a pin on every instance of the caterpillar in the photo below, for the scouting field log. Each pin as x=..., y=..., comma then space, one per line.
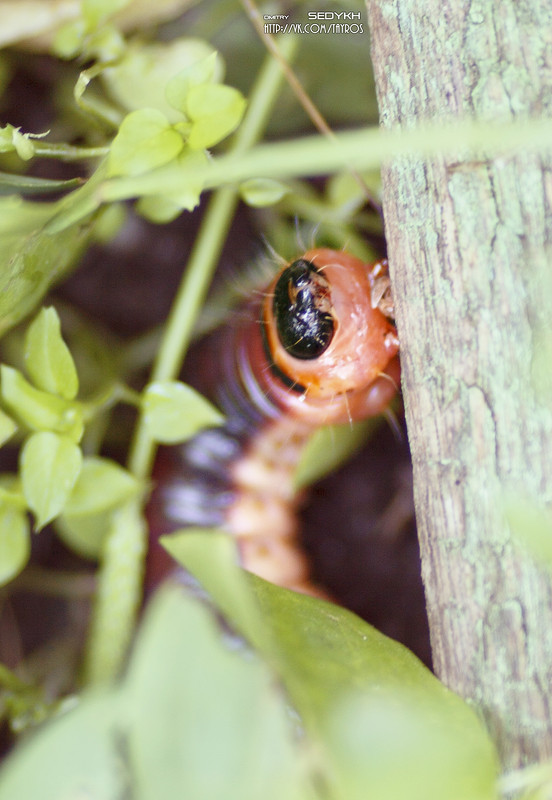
x=317, y=347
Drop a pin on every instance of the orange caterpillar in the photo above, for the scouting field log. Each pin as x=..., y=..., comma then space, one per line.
x=317, y=348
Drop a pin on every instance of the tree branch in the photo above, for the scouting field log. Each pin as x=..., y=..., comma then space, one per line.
x=468, y=239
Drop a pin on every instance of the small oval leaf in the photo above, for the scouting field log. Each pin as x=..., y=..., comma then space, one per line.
x=85, y=534
x=11, y=491
x=7, y=427
x=39, y=410
x=215, y=110
x=260, y=192
x=158, y=208
x=30, y=258
x=145, y=140
x=50, y=465
x=137, y=78
x=102, y=484
x=47, y=357
x=328, y=447
x=15, y=544
x=174, y=412
x=204, y=70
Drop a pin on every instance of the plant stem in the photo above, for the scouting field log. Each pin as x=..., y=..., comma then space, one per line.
x=204, y=257
x=68, y=152
x=364, y=149
x=124, y=565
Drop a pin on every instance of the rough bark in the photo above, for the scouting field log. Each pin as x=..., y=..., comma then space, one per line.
x=468, y=238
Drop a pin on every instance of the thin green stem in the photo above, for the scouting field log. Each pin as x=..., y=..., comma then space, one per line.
x=92, y=104
x=122, y=565
x=204, y=257
x=315, y=155
x=68, y=152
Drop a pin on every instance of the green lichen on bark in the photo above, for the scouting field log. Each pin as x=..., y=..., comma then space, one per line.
x=469, y=241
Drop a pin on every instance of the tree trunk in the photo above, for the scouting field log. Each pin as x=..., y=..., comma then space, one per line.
x=468, y=238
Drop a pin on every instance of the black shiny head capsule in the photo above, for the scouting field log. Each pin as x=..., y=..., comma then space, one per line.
x=301, y=307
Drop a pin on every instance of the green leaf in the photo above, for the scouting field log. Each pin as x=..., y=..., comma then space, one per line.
x=204, y=70
x=85, y=535
x=188, y=703
x=345, y=192
x=7, y=428
x=260, y=192
x=11, y=183
x=15, y=544
x=189, y=549
x=331, y=661
x=11, y=139
x=110, y=222
x=6, y=138
x=137, y=80
x=174, y=412
x=11, y=491
x=73, y=756
x=186, y=196
x=50, y=465
x=47, y=357
x=387, y=744
x=215, y=111
x=205, y=721
x=159, y=208
x=102, y=484
x=30, y=258
x=105, y=44
x=69, y=38
x=328, y=448
x=145, y=140
x=40, y=410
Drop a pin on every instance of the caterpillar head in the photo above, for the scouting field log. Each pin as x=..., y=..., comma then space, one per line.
x=328, y=344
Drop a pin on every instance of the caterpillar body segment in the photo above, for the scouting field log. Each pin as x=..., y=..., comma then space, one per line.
x=317, y=348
